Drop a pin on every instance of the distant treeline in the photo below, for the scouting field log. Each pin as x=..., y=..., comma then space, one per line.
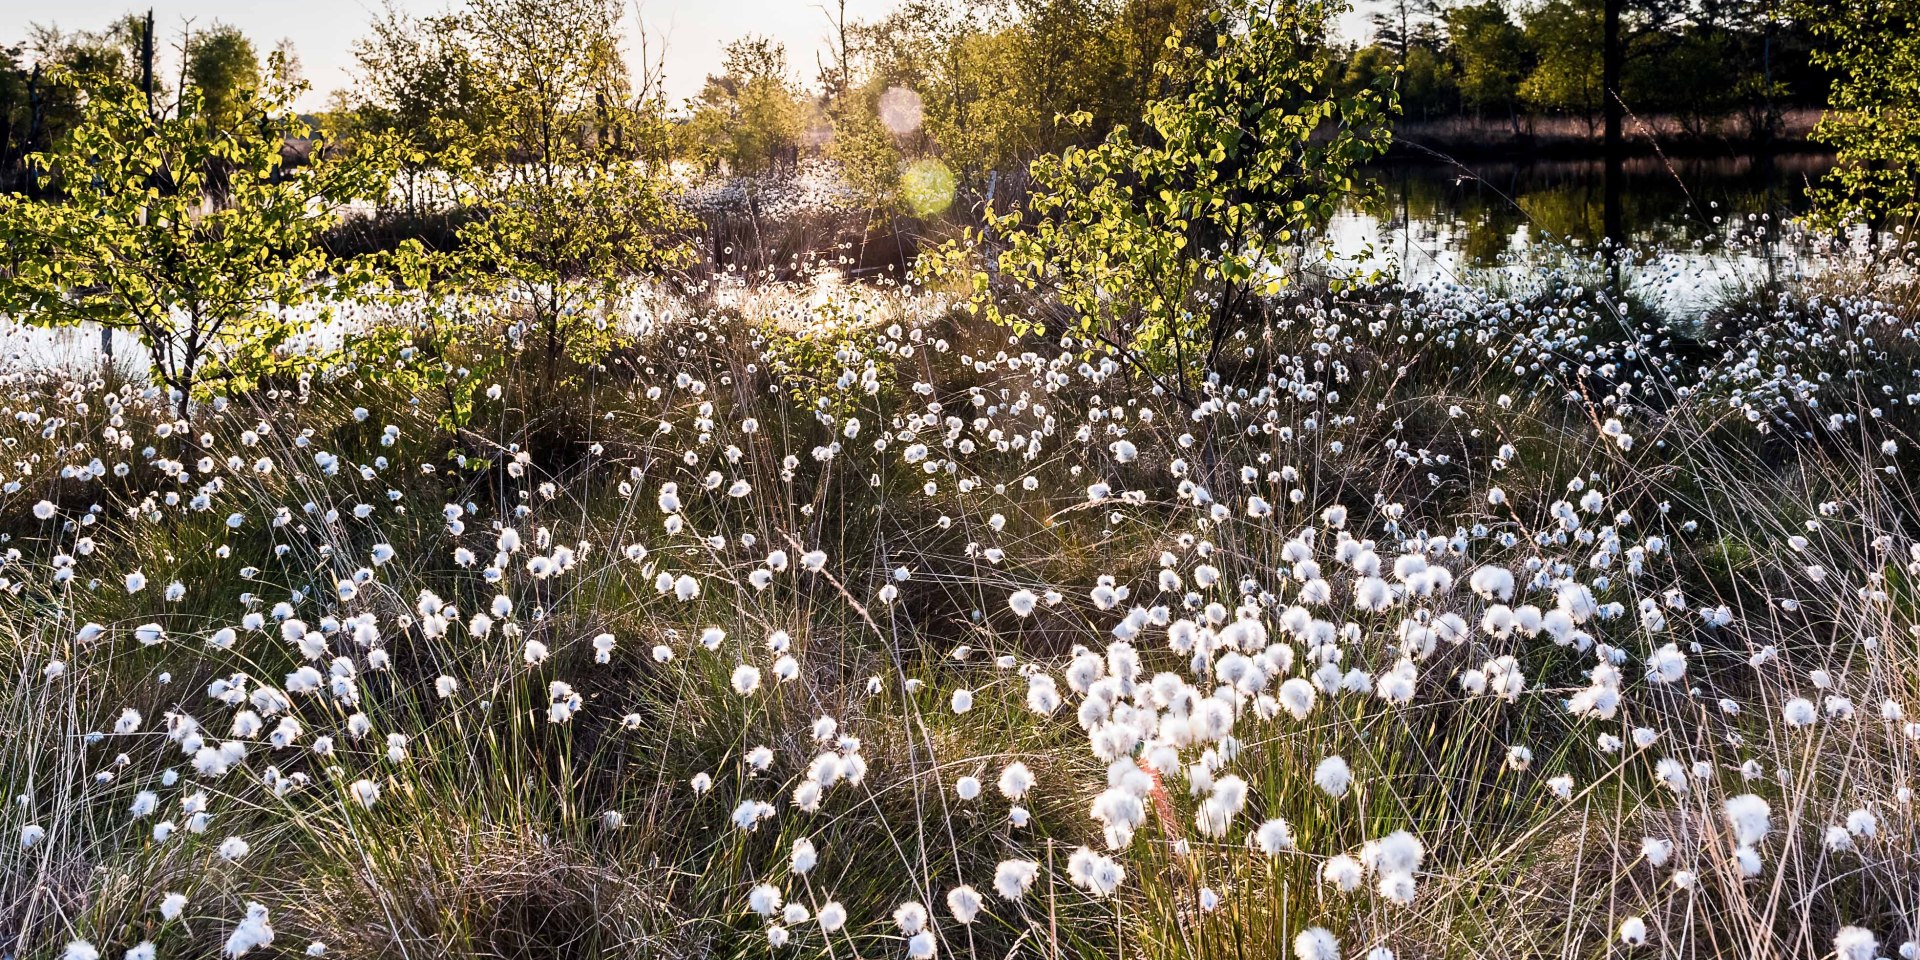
x=1710, y=69
x=985, y=86
x=217, y=61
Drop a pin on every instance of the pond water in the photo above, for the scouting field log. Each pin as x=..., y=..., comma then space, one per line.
x=27, y=347
x=1693, y=228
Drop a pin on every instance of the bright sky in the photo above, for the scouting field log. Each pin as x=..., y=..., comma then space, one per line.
x=323, y=31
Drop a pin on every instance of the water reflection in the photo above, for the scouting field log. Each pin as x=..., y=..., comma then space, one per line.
x=1691, y=228
x=1680, y=220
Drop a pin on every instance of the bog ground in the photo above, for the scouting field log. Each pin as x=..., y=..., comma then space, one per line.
x=1074, y=479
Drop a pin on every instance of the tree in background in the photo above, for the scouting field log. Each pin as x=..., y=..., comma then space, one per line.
x=858, y=140
x=570, y=210
x=1693, y=78
x=102, y=56
x=563, y=251
x=1429, y=85
x=419, y=80
x=214, y=291
x=1160, y=246
x=47, y=110
x=995, y=80
x=750, y=116
x=18, y=93
x=1407, y=43
x=866, y=149
x=36, y=112
x=1065, y=60
x=1399, y=25
x=508, y=82
x=1492, y=57
x=1136, y=35
x=1365, y=67
x=1873, y=120
x=1424, y=78
x=966, y=72
x=1566, y=77
x=285, y=64
x=553, y=73
x=982, y=115
x=1768, y=60
x=223, y=70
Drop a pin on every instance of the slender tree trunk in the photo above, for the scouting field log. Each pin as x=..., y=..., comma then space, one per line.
x=553, y=340
x=35, y=110
x=186, y=46
x=1611, y=60
x=146, y=60
x=1771, y=116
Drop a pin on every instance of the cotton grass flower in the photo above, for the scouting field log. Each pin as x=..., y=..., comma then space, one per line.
x=1519, y=758
x=1012, y=878
x=745, y=679
x=795, y=913
x=910, y=917
x=1095, y=873
x=920, y=946
x=1856, y=943
x=1332, y=776
x=802, y=858
x=1633, y=932
x=1022, y=602
x=1342, y=872
x=1750, y=818
x=1316, y=943
x=1015, y=781
x=1273, y=837
x=748, y=813
x=1297, y=697
x=964, y=903
x=764, y=899
x=253, y=931
x=832, y=917
x=1492, y=582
